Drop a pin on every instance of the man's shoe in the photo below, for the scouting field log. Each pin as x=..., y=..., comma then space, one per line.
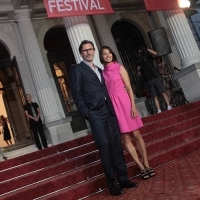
x=5, y=158
x=116, y=191
x=159, y=111
x=128, y=184
x=169, y=107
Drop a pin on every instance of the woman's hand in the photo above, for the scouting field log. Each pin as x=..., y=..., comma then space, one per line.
x=134, y=112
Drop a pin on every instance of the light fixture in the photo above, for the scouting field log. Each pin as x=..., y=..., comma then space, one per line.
x=184, y=3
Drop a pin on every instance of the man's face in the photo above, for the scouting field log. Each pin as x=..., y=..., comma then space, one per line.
x=88, y=52
x=158, y=60
x=28, y=98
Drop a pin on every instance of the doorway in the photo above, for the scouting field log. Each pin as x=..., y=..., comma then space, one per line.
x=61, y=58
x=11, y=99
x=129, y=39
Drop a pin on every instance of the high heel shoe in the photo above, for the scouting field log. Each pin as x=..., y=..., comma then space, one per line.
x=144, y=174
x=150, y=171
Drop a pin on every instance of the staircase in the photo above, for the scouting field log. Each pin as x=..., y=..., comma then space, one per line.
x=72, y=170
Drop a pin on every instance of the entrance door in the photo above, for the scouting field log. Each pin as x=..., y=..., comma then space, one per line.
x=60, y=66
x=13, y=100
x=61, y=57
x=20, y=122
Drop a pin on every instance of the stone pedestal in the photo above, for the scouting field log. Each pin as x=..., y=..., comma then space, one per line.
x=189, y=79
x=141, y=107
x=59, y=131
x=189, y=53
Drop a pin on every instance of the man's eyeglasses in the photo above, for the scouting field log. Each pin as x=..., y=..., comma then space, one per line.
x=87, y=50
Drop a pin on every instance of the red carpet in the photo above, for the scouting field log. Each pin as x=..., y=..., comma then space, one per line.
x=178, y=180
x=72, y=170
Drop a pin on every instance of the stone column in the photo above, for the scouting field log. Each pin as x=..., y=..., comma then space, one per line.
x=188, y=51
x=183, y=37
x=52, y=116
x=105, y=35
x=78, y=29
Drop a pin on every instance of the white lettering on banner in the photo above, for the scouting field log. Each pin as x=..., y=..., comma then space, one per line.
x=75, y=4
x=100, y=8
x=60, y=5
x=93, y=5
x=85, y=5
x=50, y=5
x=67, y=5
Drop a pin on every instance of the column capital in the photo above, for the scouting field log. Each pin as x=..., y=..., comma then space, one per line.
x=23, y=15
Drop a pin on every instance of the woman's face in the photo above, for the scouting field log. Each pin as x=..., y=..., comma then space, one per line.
x=107, y=56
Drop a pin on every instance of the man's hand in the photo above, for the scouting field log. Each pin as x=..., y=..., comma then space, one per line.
x=36, y=119
x=152, y=52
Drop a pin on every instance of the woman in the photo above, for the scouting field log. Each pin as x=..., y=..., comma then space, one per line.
x=6, y=132
x=122, y=97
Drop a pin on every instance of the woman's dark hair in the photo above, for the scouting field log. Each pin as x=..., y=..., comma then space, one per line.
x=3, y=119
x=111, y=51
x=84, y=42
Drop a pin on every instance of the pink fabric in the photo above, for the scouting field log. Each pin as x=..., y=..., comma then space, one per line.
x=120, y=99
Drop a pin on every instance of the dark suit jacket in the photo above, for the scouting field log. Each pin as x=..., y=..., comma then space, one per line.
x=88, y=92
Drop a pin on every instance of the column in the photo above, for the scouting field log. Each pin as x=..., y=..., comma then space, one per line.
x=58, y=129
x=37, y=68
x=183, y=37
x=188, y=77
x=78, y=29
x=105, y=35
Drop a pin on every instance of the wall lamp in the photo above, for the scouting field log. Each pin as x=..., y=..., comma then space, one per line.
x=184, y=3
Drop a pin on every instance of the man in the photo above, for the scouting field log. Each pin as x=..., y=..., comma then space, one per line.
x=91, y=98
x=146, y=69
x=32, y=112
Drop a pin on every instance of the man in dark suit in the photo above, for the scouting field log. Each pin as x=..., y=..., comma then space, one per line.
x=32, y=112
x=91, y=98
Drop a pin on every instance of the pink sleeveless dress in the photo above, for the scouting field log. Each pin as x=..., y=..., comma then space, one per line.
x=120, y=99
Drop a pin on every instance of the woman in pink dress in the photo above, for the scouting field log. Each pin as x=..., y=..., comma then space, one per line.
x=122, y=97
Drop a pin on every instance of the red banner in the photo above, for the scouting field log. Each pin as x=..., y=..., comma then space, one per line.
x=66, y=8
x=156, y=5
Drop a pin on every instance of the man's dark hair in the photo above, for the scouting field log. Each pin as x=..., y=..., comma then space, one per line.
x=114, y=59
x=84, y=42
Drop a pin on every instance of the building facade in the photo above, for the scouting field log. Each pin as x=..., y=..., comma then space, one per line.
x=36, y=54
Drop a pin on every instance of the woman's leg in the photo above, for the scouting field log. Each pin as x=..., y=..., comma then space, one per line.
x=131, y=149
x=10, y=142
x=141, y=147
x=7, y=142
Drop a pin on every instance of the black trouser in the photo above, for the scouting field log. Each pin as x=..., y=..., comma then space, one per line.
x=36, y=128
x=107, y=138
